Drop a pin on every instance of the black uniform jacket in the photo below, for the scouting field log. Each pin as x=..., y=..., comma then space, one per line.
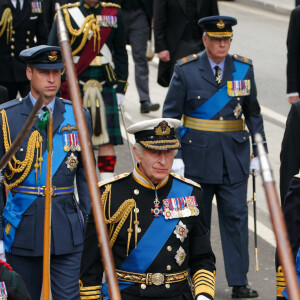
x=66, y=231
x=199, y=255
x=26, y=26
x=115, y=43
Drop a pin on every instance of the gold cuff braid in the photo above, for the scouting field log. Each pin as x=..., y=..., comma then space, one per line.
x=204, y=282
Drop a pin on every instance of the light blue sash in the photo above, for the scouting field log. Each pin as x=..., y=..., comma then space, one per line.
x=218, y=101
x=16, y=205
x=284, y=293
x=153, y=240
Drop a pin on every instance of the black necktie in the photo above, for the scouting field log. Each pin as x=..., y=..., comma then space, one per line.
x=218, y=74
x=18, y=8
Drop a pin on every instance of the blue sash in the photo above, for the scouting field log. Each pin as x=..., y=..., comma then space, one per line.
x=141, y=257
x=16, y=205
x=284, y=293
x=218, y=101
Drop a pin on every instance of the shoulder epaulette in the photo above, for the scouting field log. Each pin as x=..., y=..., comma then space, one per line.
x=188, y=181
x=242, y=59
x=11, y=103
x=112, y=179
x=109, y=4
x=69, y=5
x=66, y=101
x=187, y=59
x=297, y=176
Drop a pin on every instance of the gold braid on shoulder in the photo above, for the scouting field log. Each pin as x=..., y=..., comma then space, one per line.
x=89, y=24
x=34, y=144
x=6, y=23
x=119, y=217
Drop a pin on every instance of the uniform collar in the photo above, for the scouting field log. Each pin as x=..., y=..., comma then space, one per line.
x=50, y=105
x=221, y=65
x=140, y=178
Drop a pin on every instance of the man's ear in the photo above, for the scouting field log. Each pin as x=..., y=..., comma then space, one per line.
x=136, y=154
x=29, y=73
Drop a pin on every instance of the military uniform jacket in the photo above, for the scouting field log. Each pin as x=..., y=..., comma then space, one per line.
x=115, y=42
x=196, y=244
x=205, y=154
x=66, y=231
x=26, y=26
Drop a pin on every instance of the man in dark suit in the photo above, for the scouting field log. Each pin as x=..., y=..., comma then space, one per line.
x=137, y=18
x=26, y=28
x=293, y=57
x=25, y=178
x=211, y=91
x=176, y=31
x=156, y=224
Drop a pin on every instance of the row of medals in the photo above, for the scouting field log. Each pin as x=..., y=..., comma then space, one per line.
x=187, y=211
x=74, y=145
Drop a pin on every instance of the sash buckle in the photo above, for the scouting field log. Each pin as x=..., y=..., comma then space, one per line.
x=157, y=278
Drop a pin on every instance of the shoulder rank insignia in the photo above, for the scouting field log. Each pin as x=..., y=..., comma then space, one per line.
x=187, y=59
x=109, y=4
x=188, y=181
x=69, y=5
x=112, y=179
x=11, y=103
x=242, y=59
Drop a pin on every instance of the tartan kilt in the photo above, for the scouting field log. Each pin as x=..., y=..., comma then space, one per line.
x=110, y=101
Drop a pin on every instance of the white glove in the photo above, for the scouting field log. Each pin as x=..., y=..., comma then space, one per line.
x=201, y=297
x=178, y=166
x=2, y=251
x=120, y=98
x=255, y=165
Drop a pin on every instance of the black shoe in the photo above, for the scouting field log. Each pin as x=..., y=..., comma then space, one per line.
x=243, y=292
x=147, y=106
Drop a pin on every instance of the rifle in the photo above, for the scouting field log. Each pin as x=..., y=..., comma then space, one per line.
x=24, y=132
x=47, y=218
x=87, y=156
x=279, y=227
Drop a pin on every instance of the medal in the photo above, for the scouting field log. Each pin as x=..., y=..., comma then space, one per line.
x=156, y=210
x=181, y=231
x=237, y=111
x=180, y=256
x=72, y=162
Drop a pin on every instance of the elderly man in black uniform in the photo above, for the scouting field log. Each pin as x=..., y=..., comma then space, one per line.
x=156, y=225
x=25, y=178
x=23, y=27
x=97, y=37
x=291, y=210
x=211, y=91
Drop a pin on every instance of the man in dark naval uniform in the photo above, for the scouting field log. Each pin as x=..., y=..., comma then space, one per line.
x=291, y=210
x=211, y=91
x=23, y=27
x=156, y=226
x=97, y=35
x=25, y=178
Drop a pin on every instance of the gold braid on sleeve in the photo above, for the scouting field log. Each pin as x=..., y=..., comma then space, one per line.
x=119, y=217
x=89, y=24
x=6, y=23
x=34, y=144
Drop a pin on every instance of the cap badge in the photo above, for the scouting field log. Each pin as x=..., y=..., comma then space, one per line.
x=162, y=129
x=52, y=56
x=220, y=24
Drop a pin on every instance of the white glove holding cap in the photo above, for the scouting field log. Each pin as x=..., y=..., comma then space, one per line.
x=120, y=98
x=201, y=297
x=255, y=165
x=178, y=166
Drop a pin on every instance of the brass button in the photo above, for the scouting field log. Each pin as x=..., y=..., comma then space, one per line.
x=221, y=118
x=238, y=98
x=21, y=149
x=136, y=210
x=169, y=267
x=136, y=191
x=169, y=248
x=244, y=137
x=20, y=99
x=139, y=230
x=190, y=141
x=27, y=47
x=12, y=54
x=167, y=286
x=28, y=32
x=199, y=97
x=12, y=47
x=143, y=286
x=12, y=39
x=13, y=32
x=27, y=40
